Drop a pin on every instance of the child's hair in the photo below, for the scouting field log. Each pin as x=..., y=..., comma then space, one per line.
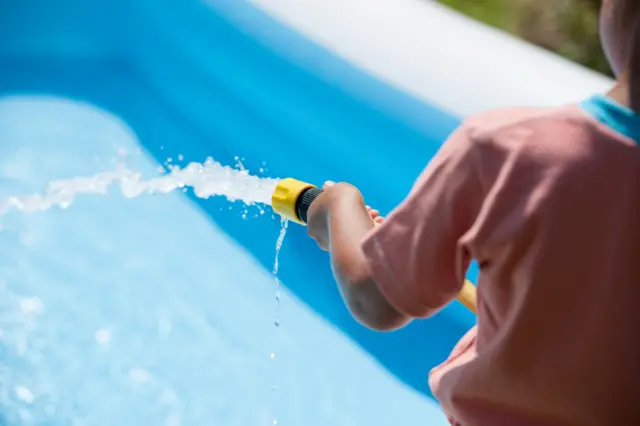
x=631, y=13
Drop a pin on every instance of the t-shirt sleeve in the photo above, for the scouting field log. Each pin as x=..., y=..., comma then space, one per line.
x=416, y=256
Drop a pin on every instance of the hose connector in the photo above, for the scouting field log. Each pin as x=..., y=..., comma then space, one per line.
x=291, y=199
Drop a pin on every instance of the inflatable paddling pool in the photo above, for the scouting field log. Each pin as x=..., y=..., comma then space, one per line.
x=159, y=310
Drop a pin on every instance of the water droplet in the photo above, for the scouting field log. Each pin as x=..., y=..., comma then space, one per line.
x=31, y=305
x=102, y=336
x=276, y=323
x=272, y=355
x=139, y=375
x=24, y=394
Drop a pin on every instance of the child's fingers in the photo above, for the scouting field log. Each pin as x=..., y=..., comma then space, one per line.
x=375, y=215
x=327, y=184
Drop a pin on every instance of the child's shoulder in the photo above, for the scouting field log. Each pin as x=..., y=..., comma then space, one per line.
x=562, y=133
x=562, y=138
x=505, y=120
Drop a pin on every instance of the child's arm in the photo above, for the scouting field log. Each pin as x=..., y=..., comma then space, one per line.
x=339, y=221
x=415, y=262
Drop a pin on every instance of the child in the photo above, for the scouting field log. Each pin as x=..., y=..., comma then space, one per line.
x=548, y=202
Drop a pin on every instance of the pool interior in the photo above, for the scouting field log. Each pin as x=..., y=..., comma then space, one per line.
x=181, y=285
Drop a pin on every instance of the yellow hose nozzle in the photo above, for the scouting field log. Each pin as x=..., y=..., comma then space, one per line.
x=288, y=196
x=291, y=199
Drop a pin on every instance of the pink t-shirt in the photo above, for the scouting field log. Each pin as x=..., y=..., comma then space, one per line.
x=548, y=202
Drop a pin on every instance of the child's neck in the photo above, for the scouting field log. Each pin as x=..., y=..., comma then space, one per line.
x=621, y=93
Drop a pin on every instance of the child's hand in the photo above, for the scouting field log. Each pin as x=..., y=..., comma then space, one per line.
x=373, y=213
x=334, y=195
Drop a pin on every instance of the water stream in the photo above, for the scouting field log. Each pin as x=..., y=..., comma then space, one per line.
x=207, y=179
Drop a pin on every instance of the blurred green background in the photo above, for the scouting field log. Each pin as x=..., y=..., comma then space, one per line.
x=567, y=27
